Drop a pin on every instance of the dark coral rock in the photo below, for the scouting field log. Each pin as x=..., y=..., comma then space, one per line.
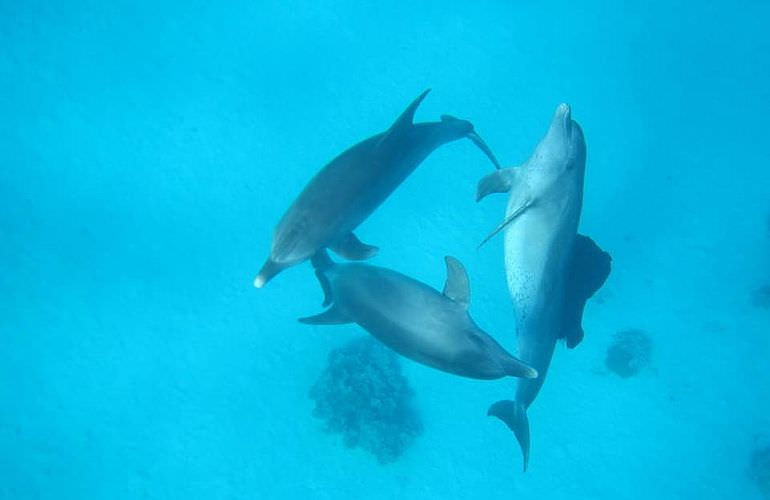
x=629, y=352
x=761, y=297
x=759, y=470
x=363, y=395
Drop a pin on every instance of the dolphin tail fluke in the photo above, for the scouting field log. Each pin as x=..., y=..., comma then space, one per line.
x=479, y=142
x=476, y=139
x=268, y=271
x=514, y=415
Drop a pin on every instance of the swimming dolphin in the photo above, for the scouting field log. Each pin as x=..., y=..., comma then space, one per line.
x=347, y=190
x=551, y=269
x=413, y=319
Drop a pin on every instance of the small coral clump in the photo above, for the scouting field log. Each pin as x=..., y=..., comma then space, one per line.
x=759, y=470
x=629, y=352
x=363, y=395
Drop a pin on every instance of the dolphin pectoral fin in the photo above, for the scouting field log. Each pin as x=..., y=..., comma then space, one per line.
x=523, y=208
x=588, y=270
x=331, y=316
x=457, y=286
x=514, y=415
x=403, y=122
x=352, y=248
x=321, y=260
x=500, y=181
x=325, y=286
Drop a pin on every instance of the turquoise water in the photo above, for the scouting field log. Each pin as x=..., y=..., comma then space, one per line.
x=147, y=151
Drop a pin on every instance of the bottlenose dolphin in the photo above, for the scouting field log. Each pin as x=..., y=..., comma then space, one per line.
x=413, y=319
x=347, y=190
x=551, y=269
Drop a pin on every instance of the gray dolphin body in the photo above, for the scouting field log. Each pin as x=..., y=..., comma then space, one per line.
x=551, y=269
x=413, y=319
x=347, y=190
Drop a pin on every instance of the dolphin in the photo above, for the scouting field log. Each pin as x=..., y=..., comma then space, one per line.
x=347, y=190
x=415, y=320
x=551, y=269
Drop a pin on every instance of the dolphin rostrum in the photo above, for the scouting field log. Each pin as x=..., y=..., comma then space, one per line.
x=347, y=190
x=413, y=319
x=551, y=269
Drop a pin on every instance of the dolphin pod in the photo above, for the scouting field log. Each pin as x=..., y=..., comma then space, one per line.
x=551, y=270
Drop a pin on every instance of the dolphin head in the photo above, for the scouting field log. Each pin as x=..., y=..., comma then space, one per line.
x=563, y=149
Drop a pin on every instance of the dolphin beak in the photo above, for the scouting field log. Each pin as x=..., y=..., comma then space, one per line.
x=479, y=142
x=270, y=269
x=564, y=113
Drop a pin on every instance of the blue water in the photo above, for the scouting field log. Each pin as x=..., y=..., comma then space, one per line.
x=147, y=151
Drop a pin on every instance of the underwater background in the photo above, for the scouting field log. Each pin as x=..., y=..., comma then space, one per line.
x=148, y=149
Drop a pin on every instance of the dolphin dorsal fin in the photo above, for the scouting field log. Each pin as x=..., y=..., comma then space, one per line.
x=404, y=121
x=457, y=286
x=407, y=117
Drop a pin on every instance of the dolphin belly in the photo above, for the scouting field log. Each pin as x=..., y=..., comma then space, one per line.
x=537, y=250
